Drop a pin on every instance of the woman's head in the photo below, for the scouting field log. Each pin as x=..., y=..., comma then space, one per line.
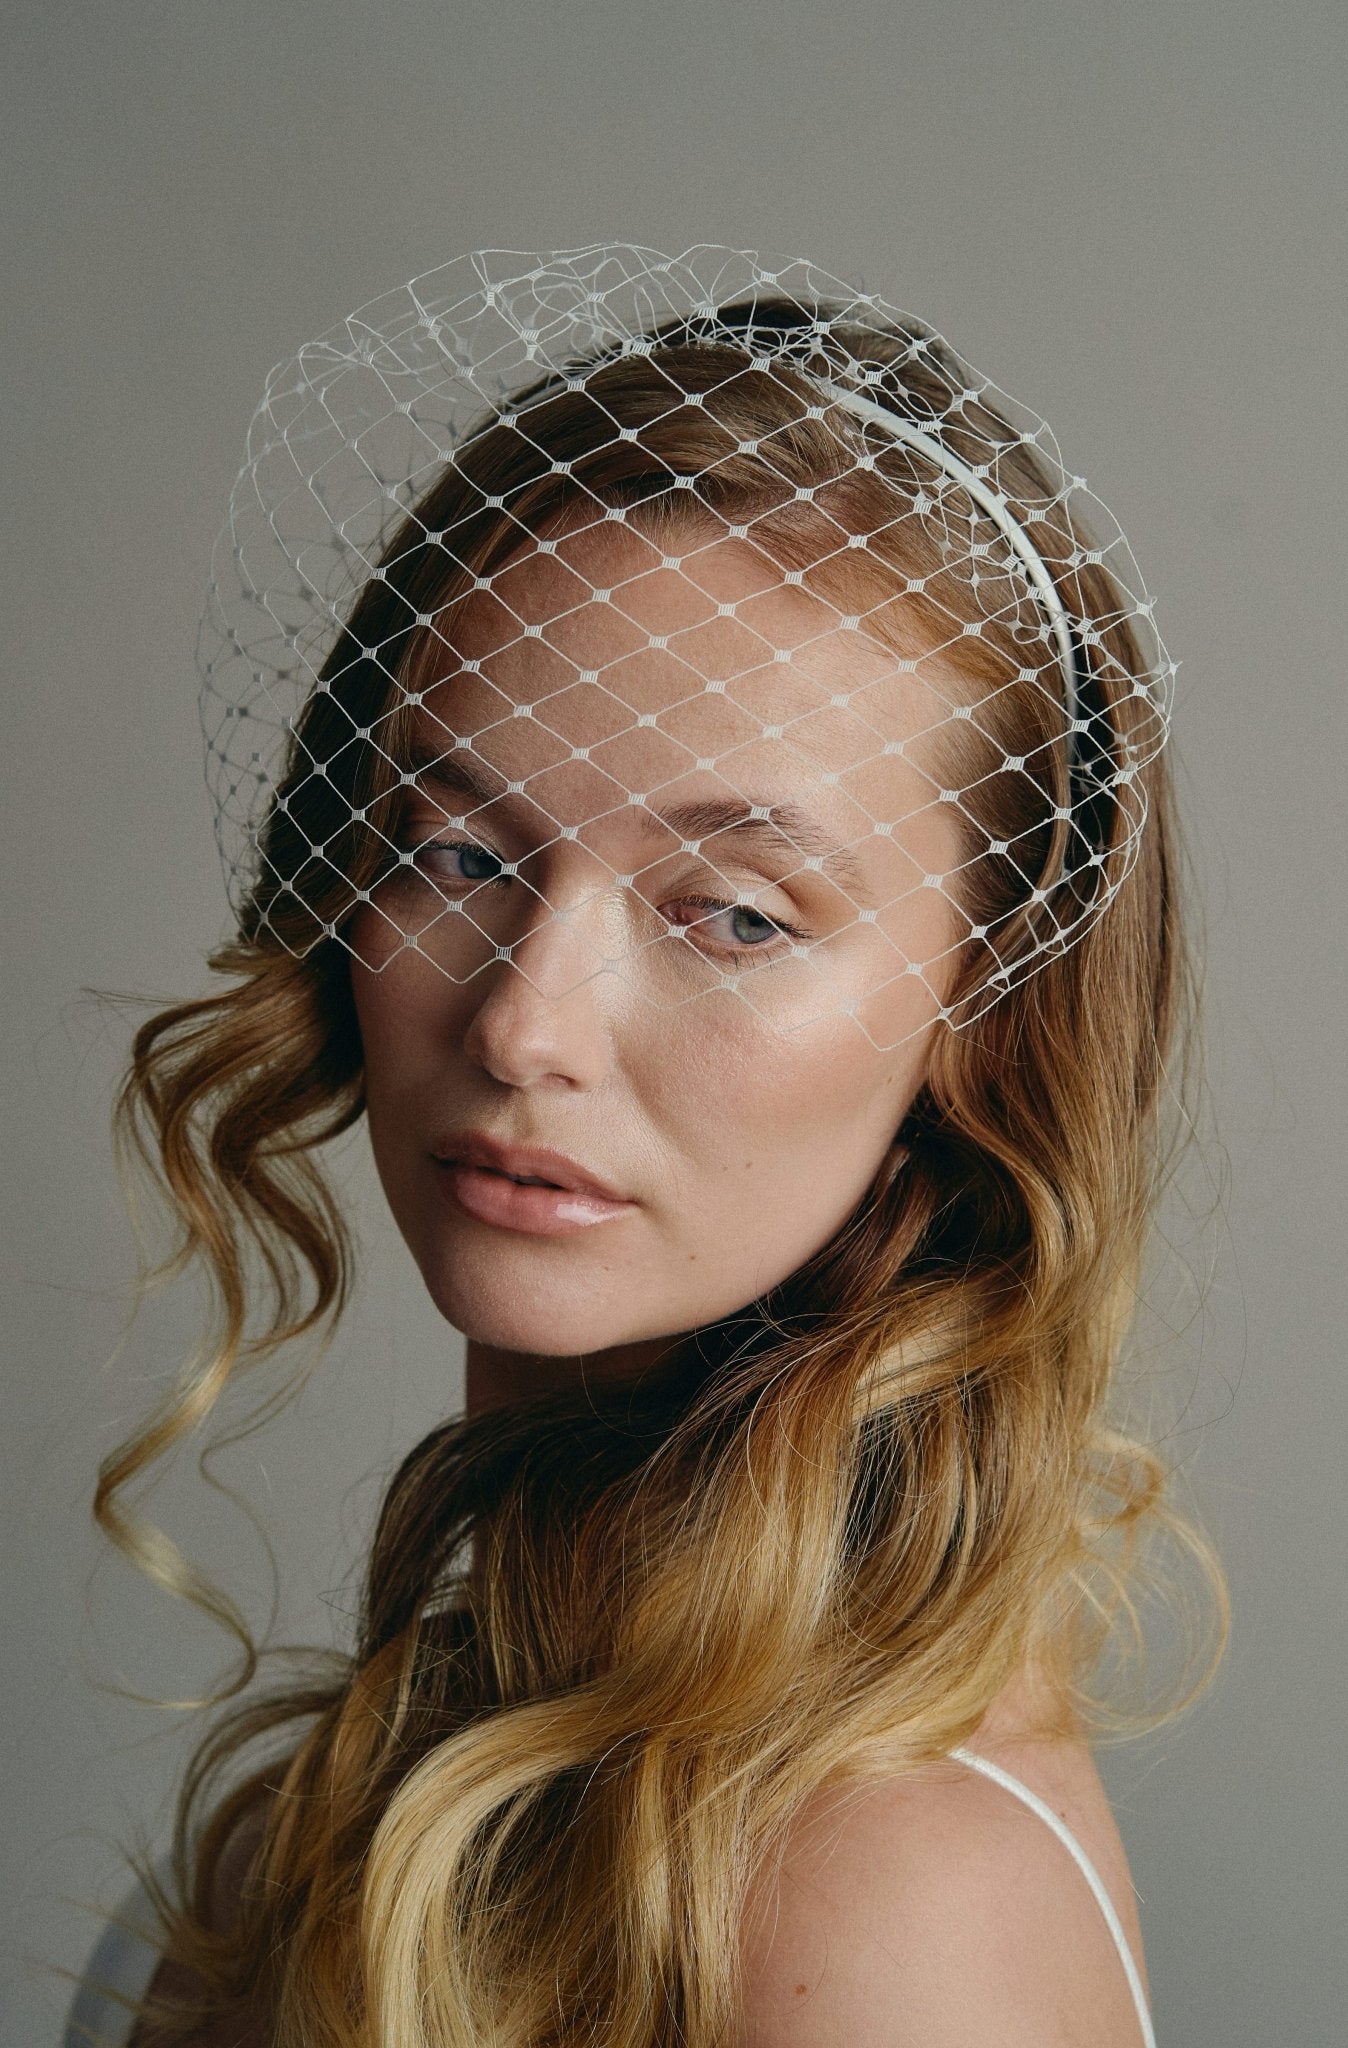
x=683, y=775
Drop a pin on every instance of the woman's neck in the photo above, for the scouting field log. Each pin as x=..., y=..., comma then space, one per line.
x=506, y=1379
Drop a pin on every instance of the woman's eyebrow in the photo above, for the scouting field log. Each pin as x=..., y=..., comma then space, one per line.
x=696, y=818
x=775, y=824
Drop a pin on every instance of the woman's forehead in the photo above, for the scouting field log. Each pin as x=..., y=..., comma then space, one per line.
x=604, y=591
x=653, y=659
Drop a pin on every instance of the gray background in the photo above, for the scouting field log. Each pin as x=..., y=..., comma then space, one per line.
x=1128, y=216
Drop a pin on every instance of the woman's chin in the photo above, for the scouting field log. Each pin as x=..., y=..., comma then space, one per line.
x=546, y=1325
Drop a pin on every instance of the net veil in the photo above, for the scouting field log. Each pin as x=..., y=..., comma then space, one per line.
x=695, y=621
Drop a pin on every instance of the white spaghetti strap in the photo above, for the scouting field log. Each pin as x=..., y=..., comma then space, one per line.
x=1084, y=1865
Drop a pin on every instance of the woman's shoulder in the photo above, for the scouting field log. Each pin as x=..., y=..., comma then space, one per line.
x=938, y=1909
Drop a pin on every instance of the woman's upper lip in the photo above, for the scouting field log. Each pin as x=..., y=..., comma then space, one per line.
x=475, y=1148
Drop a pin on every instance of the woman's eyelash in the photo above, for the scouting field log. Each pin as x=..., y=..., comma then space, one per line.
x=712, y=904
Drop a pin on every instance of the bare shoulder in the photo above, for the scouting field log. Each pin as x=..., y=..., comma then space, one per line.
x=938, y=1911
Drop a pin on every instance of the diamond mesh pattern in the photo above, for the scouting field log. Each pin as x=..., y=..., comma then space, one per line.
x=691, y=620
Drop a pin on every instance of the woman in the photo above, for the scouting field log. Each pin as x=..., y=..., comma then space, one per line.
x=725, y=852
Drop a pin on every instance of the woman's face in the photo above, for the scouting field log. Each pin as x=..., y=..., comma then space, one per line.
x=655, y=1023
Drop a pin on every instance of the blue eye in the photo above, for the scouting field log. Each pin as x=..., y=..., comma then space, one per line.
x=760, y=928
x=480, y=865
x=750, y=930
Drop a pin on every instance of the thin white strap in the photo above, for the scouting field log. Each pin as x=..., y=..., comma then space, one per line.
x=1084, y=1865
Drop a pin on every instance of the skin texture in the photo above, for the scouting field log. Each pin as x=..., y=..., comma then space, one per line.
x=938, y=1912
x=743, y=1123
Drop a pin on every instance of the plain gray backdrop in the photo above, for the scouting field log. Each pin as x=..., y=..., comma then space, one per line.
x=1130, y=216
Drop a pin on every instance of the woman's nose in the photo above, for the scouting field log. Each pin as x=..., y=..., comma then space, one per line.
x=546, y=1010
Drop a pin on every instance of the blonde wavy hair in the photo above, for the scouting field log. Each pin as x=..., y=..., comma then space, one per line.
x=526, y=1810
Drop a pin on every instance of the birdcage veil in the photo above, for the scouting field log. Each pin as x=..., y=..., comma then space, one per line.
x=594, y=586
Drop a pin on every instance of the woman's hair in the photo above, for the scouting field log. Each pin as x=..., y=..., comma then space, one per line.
x=527, y=1810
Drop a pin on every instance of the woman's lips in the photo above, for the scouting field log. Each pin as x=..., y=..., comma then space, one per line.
x=522, y=1162
x=492, y=1196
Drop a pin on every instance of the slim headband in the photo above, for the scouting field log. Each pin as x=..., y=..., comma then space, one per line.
x=991, y=502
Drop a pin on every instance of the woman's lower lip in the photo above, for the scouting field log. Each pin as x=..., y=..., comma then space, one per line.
x=537, y=1211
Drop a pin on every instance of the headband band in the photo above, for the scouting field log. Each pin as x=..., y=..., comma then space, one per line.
x=991, y=502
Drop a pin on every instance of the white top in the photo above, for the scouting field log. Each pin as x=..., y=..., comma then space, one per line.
x=126, y=1953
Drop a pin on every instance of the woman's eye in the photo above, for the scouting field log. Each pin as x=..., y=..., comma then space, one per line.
x=736, y=925
x=458, y=860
